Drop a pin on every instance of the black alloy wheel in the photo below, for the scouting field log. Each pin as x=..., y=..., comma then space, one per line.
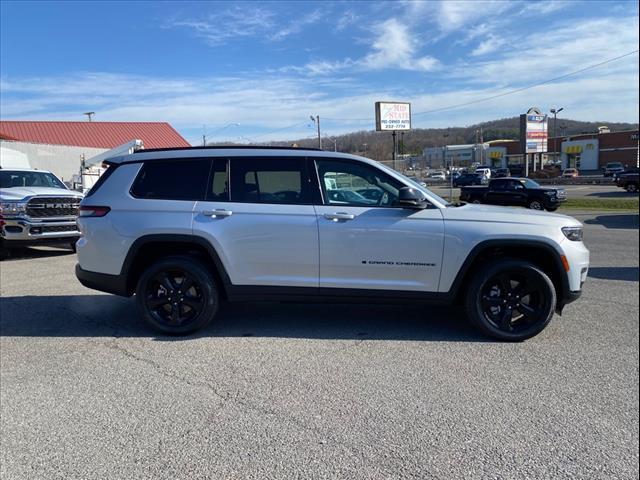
x=177, y=295
x=511, y=300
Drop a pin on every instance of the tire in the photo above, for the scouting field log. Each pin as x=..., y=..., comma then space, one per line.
x=552, y=209
x=499, y=309
x=535, y=205
x=161, y=284
x=476, y=201
x=632, y=188
x=4, y=251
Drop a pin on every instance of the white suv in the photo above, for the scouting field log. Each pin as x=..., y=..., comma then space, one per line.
x=184, y=229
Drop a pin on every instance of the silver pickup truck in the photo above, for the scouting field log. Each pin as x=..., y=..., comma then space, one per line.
x=36, y=208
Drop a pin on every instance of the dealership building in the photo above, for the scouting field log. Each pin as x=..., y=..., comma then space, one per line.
x=586, y=152
x=60, y=147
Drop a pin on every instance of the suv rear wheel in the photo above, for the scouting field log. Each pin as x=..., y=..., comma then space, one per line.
x=511, y=300
x=177, y=295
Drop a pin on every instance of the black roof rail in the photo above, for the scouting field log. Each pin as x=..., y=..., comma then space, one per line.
x=230, y=147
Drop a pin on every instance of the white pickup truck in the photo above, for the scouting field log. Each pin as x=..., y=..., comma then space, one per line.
x=35, y=206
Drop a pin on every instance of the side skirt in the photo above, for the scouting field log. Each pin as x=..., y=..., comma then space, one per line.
x=252, y=293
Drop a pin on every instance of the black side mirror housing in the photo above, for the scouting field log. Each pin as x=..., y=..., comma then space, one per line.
x=409, y=197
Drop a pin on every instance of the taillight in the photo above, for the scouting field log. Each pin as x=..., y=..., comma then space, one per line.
x=90, y=211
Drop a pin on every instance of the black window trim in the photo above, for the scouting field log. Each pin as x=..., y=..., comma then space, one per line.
x=166, y=160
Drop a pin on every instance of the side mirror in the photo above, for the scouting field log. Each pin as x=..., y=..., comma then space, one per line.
x=411, y=198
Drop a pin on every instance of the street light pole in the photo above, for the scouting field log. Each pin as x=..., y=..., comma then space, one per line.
x=555, y=112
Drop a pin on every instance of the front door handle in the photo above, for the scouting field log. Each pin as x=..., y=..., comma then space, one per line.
x=218, y=213
x=338, y=216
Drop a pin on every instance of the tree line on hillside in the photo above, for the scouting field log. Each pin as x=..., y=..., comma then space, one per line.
x=379, y=145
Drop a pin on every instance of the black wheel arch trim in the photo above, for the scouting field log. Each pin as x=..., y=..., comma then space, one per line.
x=174, y=238
x=564, y=296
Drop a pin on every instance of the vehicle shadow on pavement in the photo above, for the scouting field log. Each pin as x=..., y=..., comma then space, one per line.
x=619, y=194
x=110, y=316
x=628, y=274
x=625, y=221
x=29, y=253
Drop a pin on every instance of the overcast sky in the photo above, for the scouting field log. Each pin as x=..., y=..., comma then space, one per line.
x=267, y=66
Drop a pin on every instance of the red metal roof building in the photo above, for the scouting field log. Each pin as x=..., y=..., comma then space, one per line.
x=92, y=134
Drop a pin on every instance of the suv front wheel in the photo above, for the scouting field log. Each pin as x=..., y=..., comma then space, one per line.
x=511, y=300
x=177, y=295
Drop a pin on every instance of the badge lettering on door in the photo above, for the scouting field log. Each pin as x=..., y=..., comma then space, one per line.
x=397, y=264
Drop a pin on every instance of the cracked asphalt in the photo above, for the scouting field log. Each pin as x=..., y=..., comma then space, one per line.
x=87, y=391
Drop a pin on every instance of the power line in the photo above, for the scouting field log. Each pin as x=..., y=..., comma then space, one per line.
x=277, y=130
x=510, y=92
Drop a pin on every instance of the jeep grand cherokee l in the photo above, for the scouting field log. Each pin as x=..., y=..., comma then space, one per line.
x=184, y=229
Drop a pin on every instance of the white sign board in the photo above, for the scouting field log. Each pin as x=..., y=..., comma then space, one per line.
x=393, y=116
x=534, y=131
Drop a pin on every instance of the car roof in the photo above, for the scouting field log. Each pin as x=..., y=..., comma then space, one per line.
x=225, y=152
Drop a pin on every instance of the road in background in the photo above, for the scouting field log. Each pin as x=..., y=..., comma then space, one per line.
x=318, y=391
x=573, y=191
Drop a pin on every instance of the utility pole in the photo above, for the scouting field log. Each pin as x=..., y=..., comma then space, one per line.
x=394, y=150
x=316, y=120
x=365, y=149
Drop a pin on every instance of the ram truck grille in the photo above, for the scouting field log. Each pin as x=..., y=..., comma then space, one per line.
x=40, y=207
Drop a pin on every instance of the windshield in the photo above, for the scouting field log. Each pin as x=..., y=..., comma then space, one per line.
x=418, y=186
x=530, y=183
x=17, y=179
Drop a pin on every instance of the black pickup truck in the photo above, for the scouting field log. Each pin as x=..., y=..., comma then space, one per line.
x=516, y=192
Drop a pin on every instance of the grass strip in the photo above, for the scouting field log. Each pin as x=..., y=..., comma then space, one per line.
x=601, y=204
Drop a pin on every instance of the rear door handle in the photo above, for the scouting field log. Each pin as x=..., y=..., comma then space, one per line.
x=218, y=213
x=336, y=217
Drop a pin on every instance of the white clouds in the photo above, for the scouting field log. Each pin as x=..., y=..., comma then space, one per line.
x=490, y=45
x=233, y=23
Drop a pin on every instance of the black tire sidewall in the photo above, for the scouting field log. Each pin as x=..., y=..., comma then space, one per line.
x=204, y=278
x=474, y=309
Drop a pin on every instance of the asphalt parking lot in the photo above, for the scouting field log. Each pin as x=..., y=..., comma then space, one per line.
x=308, y=391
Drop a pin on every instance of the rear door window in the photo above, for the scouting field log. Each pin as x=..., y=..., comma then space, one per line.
x=270, y=180
x=172, y=179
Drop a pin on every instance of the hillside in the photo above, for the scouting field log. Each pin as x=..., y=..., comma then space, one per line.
x=379, y=144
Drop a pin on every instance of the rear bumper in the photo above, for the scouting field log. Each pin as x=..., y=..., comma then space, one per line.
x=115, y=284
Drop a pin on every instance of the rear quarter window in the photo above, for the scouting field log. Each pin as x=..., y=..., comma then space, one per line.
x=172, y=180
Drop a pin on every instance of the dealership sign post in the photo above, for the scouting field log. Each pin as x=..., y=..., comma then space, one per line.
x=533, y=136
x=393, y=116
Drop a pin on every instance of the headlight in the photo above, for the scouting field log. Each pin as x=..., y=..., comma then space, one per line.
x=13, y=208
x=573, y=233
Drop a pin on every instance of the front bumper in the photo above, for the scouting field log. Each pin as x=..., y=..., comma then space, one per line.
x=24, y=231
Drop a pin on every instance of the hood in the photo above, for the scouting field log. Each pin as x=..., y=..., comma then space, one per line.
x=514, y=215
x=19, y=193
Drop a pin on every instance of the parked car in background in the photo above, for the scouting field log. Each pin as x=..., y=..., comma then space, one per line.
x=485, y=171
x=522, y=192
x=438, y=176
x=612, y=168
x=570, y=173
x=418, y=181
x=628, y=181
x=501, y=173
x=469, y=179
x=36, y=208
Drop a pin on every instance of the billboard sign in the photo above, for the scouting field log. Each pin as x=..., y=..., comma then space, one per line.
x=393, y=116
x=534, y=131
